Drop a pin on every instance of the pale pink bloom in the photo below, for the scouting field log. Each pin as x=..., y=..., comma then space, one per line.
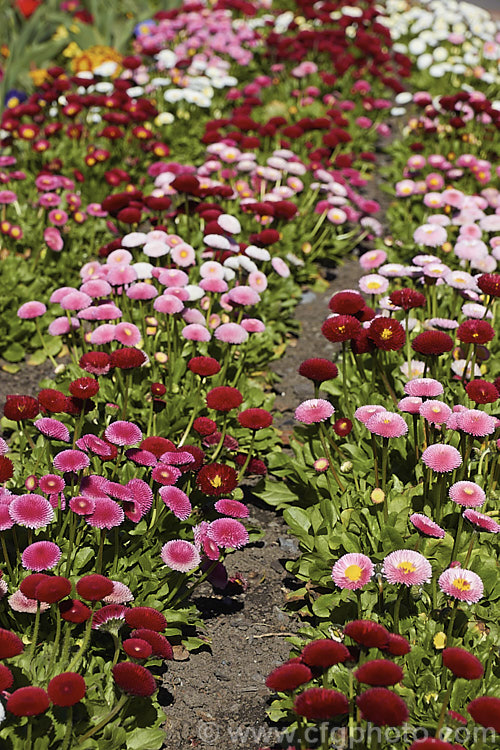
x=410, y=404
x=469, y=494
x=134, y=239
x=20, y=603
x=227, y=532
x=53, y=239
x=461, y=584
x=123, y=433
x=121, y=594
x=364, y=413
x=211, y=269
x=177, y=501
x=424, y=387
x=4, y=448
x=352, y=571
x=173, y=277
x=435, y=412
x=426, y=526
x=243, y=295
x=103, y=334
x=231, y=333
x=483, y=522
x=408, y=567
x=31, y=310
x=184, y=255
x=127, y=334
x=253, y=325
x=155, y=249
x=179, y=292
x=372, y=259
x=107, y=311
x=142, y=291
x=441, y=458
x=373, y=283
x=120, y=275
x=405, y=188
x=336, y=216
x=476, y=422
x=314, y=410
x=196, y=332
x=280, y=267
x=119, y=257
x=96, y=288
x=75, y=301
x=430, y=235
x=229, y=224
x=217, y=286
x=387, y=424
x=168, y=304
x=180, y=555
x=257, y=281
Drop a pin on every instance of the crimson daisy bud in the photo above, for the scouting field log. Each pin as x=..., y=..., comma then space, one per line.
x=255, y=419
x=318, y=370
x=342, y=427
x=66, y=689
x=482, y=392
x=158, y=642
x=432, y=343
x=10, y=644
x=367, y=633
x=288, y=677
x=224, y=398
x=382, y=707
x=84, y=388
x=387, y=334
x=324, y=653
x=94, y=587
x=489, y=283
x=145, y=617
x=408, y=298
x=462, y=663
x=136, y=648
x=397, y=645
x=204, y=366
x=346, y=303
x=28, y=701
x=204, y=426
x=18, y=408
x=158, y=389
x=126, y=359
x=6, y=678
x=52, y=589
x=134, y=679
x=29, y=584
x=320, y=704
x=341, y=328
x=379, y=673
x=485, y=710
x=475, y=332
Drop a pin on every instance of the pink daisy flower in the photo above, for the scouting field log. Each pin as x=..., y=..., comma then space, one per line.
x=165, y=474
x=435, y=412
x=31, y=310
x=468, y=494
x=180, y=555
x=253, y=325
x=373, y=283
x=227, y=532
x=103, y=334
x=53, y=428
x=410, y=404
x=20, y=603
x=71, y=460
x=51, y=483
x=32, y=511
x=231, y=333
x=430, y=235
x=424, y=387
x=352, y=571
x=243, y=295
x=233, y=508
x=127, y=334
x=41, y=556
x=476, y=422
x=96, y=288
x=168, y=304
x=441, y=458
x=75, y=301
x=196, y=332
x=364, y=413
x=142, y=291
x=387, y=425
x=110, y=618
x=314, y=410
x=121, y=594
x=177, y=501
x=426, y=526
x=123, y=433
x=408, y=567
x=106, y=514
x=82, y=506
x=461, y=584
x=141, y=457
x=483, y=522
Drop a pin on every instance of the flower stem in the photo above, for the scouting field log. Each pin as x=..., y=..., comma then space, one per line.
x=222, y=437
x=6, y=558
x=446, y=700
x=106, y=719
x=34, y=639
x=75, y=662
x=397, y=607
x=456, y=544
x=69, y=730
x=55, y=645
x=449, y=633
x=248, y=458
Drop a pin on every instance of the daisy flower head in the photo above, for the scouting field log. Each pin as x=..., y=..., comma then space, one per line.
x=461, y=584
x=387, y=425
x=427, y=526
x=352, y=571
x=442, y=458
x=314, y=410
x=469, y=494
x=408, y=567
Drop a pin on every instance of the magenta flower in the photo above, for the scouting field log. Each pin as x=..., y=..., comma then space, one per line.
x=123, y=433
x=424, y=387
x=195, y=332
x=387, y=425
x=51, y=483
x=408, y=567
x=53, y=428
x=233, y=508
x=75, y=301
x=461, y=584
x=41, y=556
x=165, y=474
x=177, y=501
x=180, y=555
x=31, y=310
x=227, y=532
x=71, y=460
x=483, y=522
x=32, y=511
x=441, y=458
x=127, y=334
x=352, y=571
x=106, y=514
x=426, y=526
x=468, y=494
x=52, y=237
x=314, y=410
x=82, y=506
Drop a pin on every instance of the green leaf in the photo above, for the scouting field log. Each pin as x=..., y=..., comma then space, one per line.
x=146, y=739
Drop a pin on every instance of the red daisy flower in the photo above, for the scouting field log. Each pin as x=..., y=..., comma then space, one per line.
x=341, y=328
x=367, y=633
x=318, y=370
x=489, y=283
x=485, y=710
x=52, y=400
x=397, y=645
x=342, y=426
x=146, y=617
x=387, y=334
x=204, y=366
x=324, y=653
x=6, y=469
x=224, y=398
x=136, y=648
x=462, y=663
x=6, y=678
x=134, y=679
x=475, y=332
x=320, y=704
x=52, y=589
x=255, y=419
x=346, y=303
x=10, y=644
x=126, y=359
x=18, y=408
x=204, y=426
x=382, y=707
x=84, y=388
x=482, y=392
x=97, y=363
x=217, y=479
x=28, y=701
x=158, y=642
x=66, y=689
x=432, y=343
x=94, y=587
x=288, y=677
x=379, y=673
x=157, y=445
x=408, y=298
x=28, y=585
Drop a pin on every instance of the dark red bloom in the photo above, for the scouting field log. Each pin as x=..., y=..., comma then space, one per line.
x=52, y=589
x=341, y=328
x=462, y=663
x=485, y=710
x=387, y=334
x=318, y=370
x=382, y=707
x=216, y=479
x=489, y=283
x=342, y=426
x=6, y=469
x=10, y=644
x=288, y=677
x=28, y=585
x=475, y=332
x=158, y=389
x=408, y=298
x=27, y=7
x=346, y=303
x=204, y=426
x=157, y=445
x=224, y=398
x=367, y=633
x=126, y=359
x=84, y=388
x=52, y=400
x=18, y=408
x=204, y=366
x=136, y=648
x=66, y=689
x=145, y=617
x=97, y=363
x=255, y=419
x=28, y=701
x=186, y=183
x=362, y=344
x=324, y=653
x=482, y=392
x=398, y=645
x=134, y=679
x=94, y=587
x=432, y=343
x=6, y=678
x=320, y=704
x=197, y=454
x=379, y=673
x=158, y=642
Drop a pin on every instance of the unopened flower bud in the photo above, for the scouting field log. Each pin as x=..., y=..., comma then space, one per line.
x=377, y=496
